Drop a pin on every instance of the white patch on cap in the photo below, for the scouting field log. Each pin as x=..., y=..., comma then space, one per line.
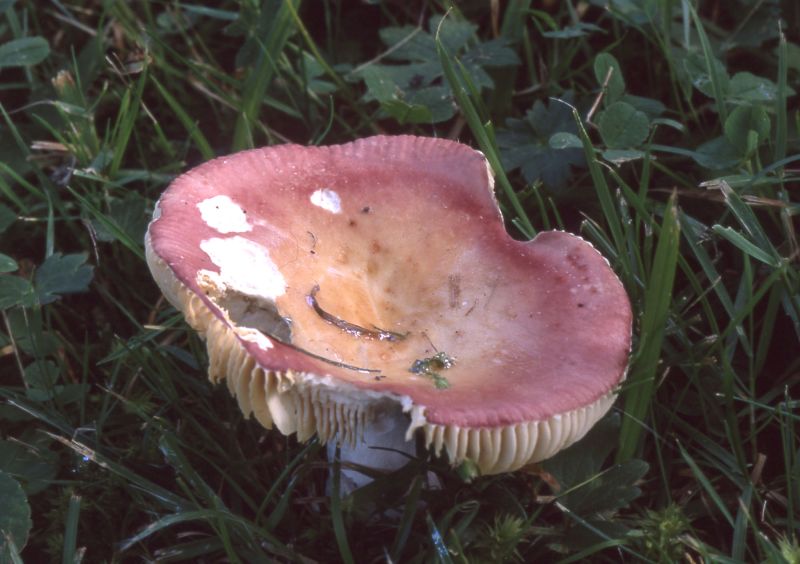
x=245, y=266
x=224, y=215
x=327, y=199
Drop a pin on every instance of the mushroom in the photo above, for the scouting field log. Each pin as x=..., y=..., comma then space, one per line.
x=374, y=282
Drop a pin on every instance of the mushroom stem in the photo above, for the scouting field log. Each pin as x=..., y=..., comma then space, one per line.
x=383, y=447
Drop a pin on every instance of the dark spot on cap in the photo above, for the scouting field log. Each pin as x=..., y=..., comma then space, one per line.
x=352, y=223
x=366, y=209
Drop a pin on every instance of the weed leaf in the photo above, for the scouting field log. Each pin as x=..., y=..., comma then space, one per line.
x=747, y=87
x=585, y=487
x=525, y=144
x=603, y=64
x=15, y=517
x=24, y=52
x=62, y=274
x=7, y=216
x=741, y=122
x=622, y=126
x=14, y=291
x=33, y=467
x=7, y=264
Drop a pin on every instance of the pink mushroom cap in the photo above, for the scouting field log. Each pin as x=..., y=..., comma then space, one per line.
x=332, y=282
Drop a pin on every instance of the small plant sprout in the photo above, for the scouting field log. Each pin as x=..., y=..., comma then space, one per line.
x=431, y=367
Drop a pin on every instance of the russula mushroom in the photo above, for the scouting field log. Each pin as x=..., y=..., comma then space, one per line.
x=374, y=281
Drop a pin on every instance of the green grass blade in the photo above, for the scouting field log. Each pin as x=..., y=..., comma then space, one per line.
x=604, y=195
x=337, y=516
x=126, y=121
x=709, y=488
x=482, y=133
x=716, y=80
x=748, y=220
x=657, y=300
x=407, y=521
x=781, y=118
x=442, y=553
x=739, y=542
x=70, y=554
x=740, y=241
x=186, y=120
x=136, y=247
x=164, y=496
x=282, y=25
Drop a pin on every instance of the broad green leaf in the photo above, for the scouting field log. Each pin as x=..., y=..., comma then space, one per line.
x=697, y=71
x=426, y=105
x=7, y=264
x=587, y=488
x=651, y=107
x=128, y=214
x=493, y=53
x=408, y=43
x=41, y=374
x=622, y=126
x=14, y=291
x=585, y=458
x=23, y=52
x=525, y=144
x=717, y=154
x=745, y=119
x=564, y=140
x=760, y=25
x=636, y=12
x=7, y=217
x=42, y=379
x=669, y=123
x=403, y=78
x=313, y=73
x=15, y=516
x=622, y=156
x=453, y=33
x=413, y=92
x=603, y=64
x=747, y=87
x=580, y=29
x=793, y=56
x=418, y=111
x=609, y=490
x=33, y=465
x=30, y=335
x=62, y=274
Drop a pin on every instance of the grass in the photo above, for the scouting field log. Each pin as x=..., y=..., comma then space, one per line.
x=664, y=132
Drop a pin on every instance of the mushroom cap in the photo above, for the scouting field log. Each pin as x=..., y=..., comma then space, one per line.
x=327, y=279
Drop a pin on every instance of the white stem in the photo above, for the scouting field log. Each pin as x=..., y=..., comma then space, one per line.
x=386, y=431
